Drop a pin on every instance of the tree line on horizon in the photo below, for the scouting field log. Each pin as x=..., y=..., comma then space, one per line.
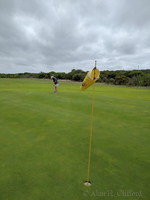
x=118, y=77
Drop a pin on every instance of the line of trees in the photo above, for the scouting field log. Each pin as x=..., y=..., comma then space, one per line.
x=119, y=77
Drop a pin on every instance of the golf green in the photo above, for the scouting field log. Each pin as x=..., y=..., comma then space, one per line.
x=44, y=141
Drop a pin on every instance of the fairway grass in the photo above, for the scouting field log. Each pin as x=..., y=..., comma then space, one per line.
x=44, y=141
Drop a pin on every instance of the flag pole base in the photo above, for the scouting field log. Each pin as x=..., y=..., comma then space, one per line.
x=87, y=183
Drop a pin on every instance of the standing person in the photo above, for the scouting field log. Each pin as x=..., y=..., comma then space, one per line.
x=55, y=83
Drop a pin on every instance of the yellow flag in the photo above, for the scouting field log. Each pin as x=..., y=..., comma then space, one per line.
x=91, y=77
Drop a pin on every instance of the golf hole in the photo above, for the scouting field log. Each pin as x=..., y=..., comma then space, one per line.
x=87, y=183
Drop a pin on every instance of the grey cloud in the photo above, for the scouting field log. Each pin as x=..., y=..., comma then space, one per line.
x=61, y=35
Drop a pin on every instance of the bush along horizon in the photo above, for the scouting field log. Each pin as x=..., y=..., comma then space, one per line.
x=118, y=77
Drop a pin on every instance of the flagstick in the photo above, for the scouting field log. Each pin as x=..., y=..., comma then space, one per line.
x=88, y=183
x=90, y=137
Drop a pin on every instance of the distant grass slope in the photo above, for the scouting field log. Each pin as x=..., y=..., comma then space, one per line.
x=44, y=141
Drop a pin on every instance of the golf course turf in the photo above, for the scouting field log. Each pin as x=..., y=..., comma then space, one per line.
x=44, y=141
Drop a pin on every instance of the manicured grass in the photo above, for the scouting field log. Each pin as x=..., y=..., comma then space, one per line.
x=44, y=141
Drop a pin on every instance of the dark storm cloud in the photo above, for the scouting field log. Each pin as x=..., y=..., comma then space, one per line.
x=61, y=35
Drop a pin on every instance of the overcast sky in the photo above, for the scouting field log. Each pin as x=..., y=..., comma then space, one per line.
x=61, y=35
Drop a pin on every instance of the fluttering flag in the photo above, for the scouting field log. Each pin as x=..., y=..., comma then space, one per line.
x=91, y=77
